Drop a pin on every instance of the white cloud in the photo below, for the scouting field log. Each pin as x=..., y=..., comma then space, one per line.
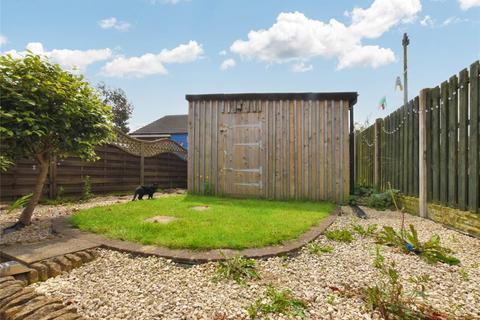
x=3, y=39
x=113, y=23
x=294, y=38
x=453, y=20
x=467, y=4
x=223, y=53
x=228, y=63
x=427, y=21
x=67, y=58
x=301, y=67
x=150, y=63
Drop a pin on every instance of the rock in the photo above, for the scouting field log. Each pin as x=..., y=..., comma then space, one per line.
x=45, y=311
x=11, y=268
x=75, y=260
x=85, y=256
x=64, y=263
x=42, y=270
x=53, y=268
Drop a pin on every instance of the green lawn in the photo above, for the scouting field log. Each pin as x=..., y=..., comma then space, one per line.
x=228, y=223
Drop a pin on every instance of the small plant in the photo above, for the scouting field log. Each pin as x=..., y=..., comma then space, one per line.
x=19, y=203
x=382, y=200
x=60, y=192
x=87, y=189
x=463, y=274
x=238, y=269
x=353, y=200
x=365, y=232
x=431, y=251
x=315, y=248
x=280, y=302
x=331, y=299
x=389, y=298
x=341, y=235
x=379, y=259
x=420, y=282
x=207, y=188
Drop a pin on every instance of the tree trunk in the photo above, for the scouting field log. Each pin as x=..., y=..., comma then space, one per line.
x=26, y=216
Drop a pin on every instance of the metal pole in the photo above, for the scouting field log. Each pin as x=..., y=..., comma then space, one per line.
x=405, y=43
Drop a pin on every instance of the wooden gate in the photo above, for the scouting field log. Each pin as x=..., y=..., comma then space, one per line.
x=241, y=137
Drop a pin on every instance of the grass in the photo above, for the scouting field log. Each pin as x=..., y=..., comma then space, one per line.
x=228, y=223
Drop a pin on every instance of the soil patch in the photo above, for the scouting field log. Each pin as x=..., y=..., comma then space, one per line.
x=161, y=219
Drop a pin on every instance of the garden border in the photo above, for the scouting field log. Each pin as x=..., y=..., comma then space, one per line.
x=62, y=226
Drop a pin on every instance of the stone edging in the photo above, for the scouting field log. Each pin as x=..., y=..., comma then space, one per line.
x=62, y=226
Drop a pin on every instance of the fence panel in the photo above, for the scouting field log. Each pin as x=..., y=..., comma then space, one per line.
x=452, y=150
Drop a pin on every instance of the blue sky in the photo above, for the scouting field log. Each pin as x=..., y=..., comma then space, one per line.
x=158, y=51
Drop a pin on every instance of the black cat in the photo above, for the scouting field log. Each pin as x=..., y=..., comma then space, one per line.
x=143, y=190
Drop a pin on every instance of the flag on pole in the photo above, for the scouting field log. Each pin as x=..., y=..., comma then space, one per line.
x=383, y=103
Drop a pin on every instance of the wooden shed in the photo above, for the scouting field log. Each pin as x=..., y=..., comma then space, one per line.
x=271, y=145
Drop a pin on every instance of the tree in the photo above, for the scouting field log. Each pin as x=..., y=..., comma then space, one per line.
x=121, y=108
x=47, y=113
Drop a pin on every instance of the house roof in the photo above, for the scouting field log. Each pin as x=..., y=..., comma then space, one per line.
x=167, y=124
x=350, y=96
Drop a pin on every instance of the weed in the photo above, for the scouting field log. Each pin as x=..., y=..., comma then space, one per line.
x=420, y=282
x=331, y=299
x=382, y=200
x=60, y=192
x=341, y=235
x=463, y=274
x=280, y=302
x=87, y=188
x=19, y=203
x=315, y=248
x=237, y=268
x=365, y=232
x=379, y=259
x=207, y=188
x=431, y=251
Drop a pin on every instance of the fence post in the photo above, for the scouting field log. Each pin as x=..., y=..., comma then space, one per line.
x=422, y=153
x=377, y=159
x=142, y=164
x=52, y=179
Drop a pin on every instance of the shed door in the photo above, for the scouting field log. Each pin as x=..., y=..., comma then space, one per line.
x=242, y=146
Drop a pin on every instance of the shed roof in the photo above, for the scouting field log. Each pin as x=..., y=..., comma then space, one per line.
x=167, y=124
x=350, y=96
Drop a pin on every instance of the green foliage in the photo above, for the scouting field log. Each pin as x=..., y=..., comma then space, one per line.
x=431, y=251
x=315, y=248
x=382, y=200
x=5, y=162
x=278, y=302
x=207, y=189
x=389, y=298
x=379, y=259
x=87, y=189
x=463, y=274
x=341, y=235
x=48, y=111
x=121, y=108
x=420, y=284
x=238, y=269
x=20, y=202
x=365, y=232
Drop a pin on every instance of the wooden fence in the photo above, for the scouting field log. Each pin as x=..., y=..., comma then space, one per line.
x=119, y=168
x=388, y=151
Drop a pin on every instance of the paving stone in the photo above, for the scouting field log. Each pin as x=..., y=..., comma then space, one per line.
x=42, y=270
x=30, y=308
x=9, y=283
x=64, y=263
x=32, y=276
x=60, y=312
x=45, y=310
x=69, y=316
x=9, y=291
x=16, y=305
x=93, y=253
x=75, y=260
x=53, y=268
x=85, y=256
x=3, y=279
x=11, y=268
x=6, y=301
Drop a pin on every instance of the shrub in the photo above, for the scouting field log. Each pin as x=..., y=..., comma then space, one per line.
x=87, y=189
x=281, y=302
x=364, y=232
x=341, y=235
x=20, y=202
x=238, y=269
x=382, y=200
x=315, y=248
x=431, y=251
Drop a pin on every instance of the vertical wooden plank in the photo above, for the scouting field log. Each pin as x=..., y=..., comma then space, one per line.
x=463, y=141
x=197, y=148
x=208, y=143
x=331, y=150
x=215, y=131
x=415, y=146
x=436, y=144
x=410, y=148
x=422, y=151
x=346, y=151
x=309, y=150
x=405, y=127
x=190, y=145
x=336, y=162
x=321, y=147
x=314, y=150
x=474, y=157
x=452, y=141
x=291, y=142
x=444, y=148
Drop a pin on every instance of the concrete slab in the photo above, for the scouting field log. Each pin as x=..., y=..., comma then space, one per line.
x=30, y=253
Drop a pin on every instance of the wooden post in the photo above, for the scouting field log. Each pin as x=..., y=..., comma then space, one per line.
x=52, y=179
x=422, y=157
x=142, y=164
x=377, y=159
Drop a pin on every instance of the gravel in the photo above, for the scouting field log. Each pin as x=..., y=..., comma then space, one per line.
x=120, y=286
